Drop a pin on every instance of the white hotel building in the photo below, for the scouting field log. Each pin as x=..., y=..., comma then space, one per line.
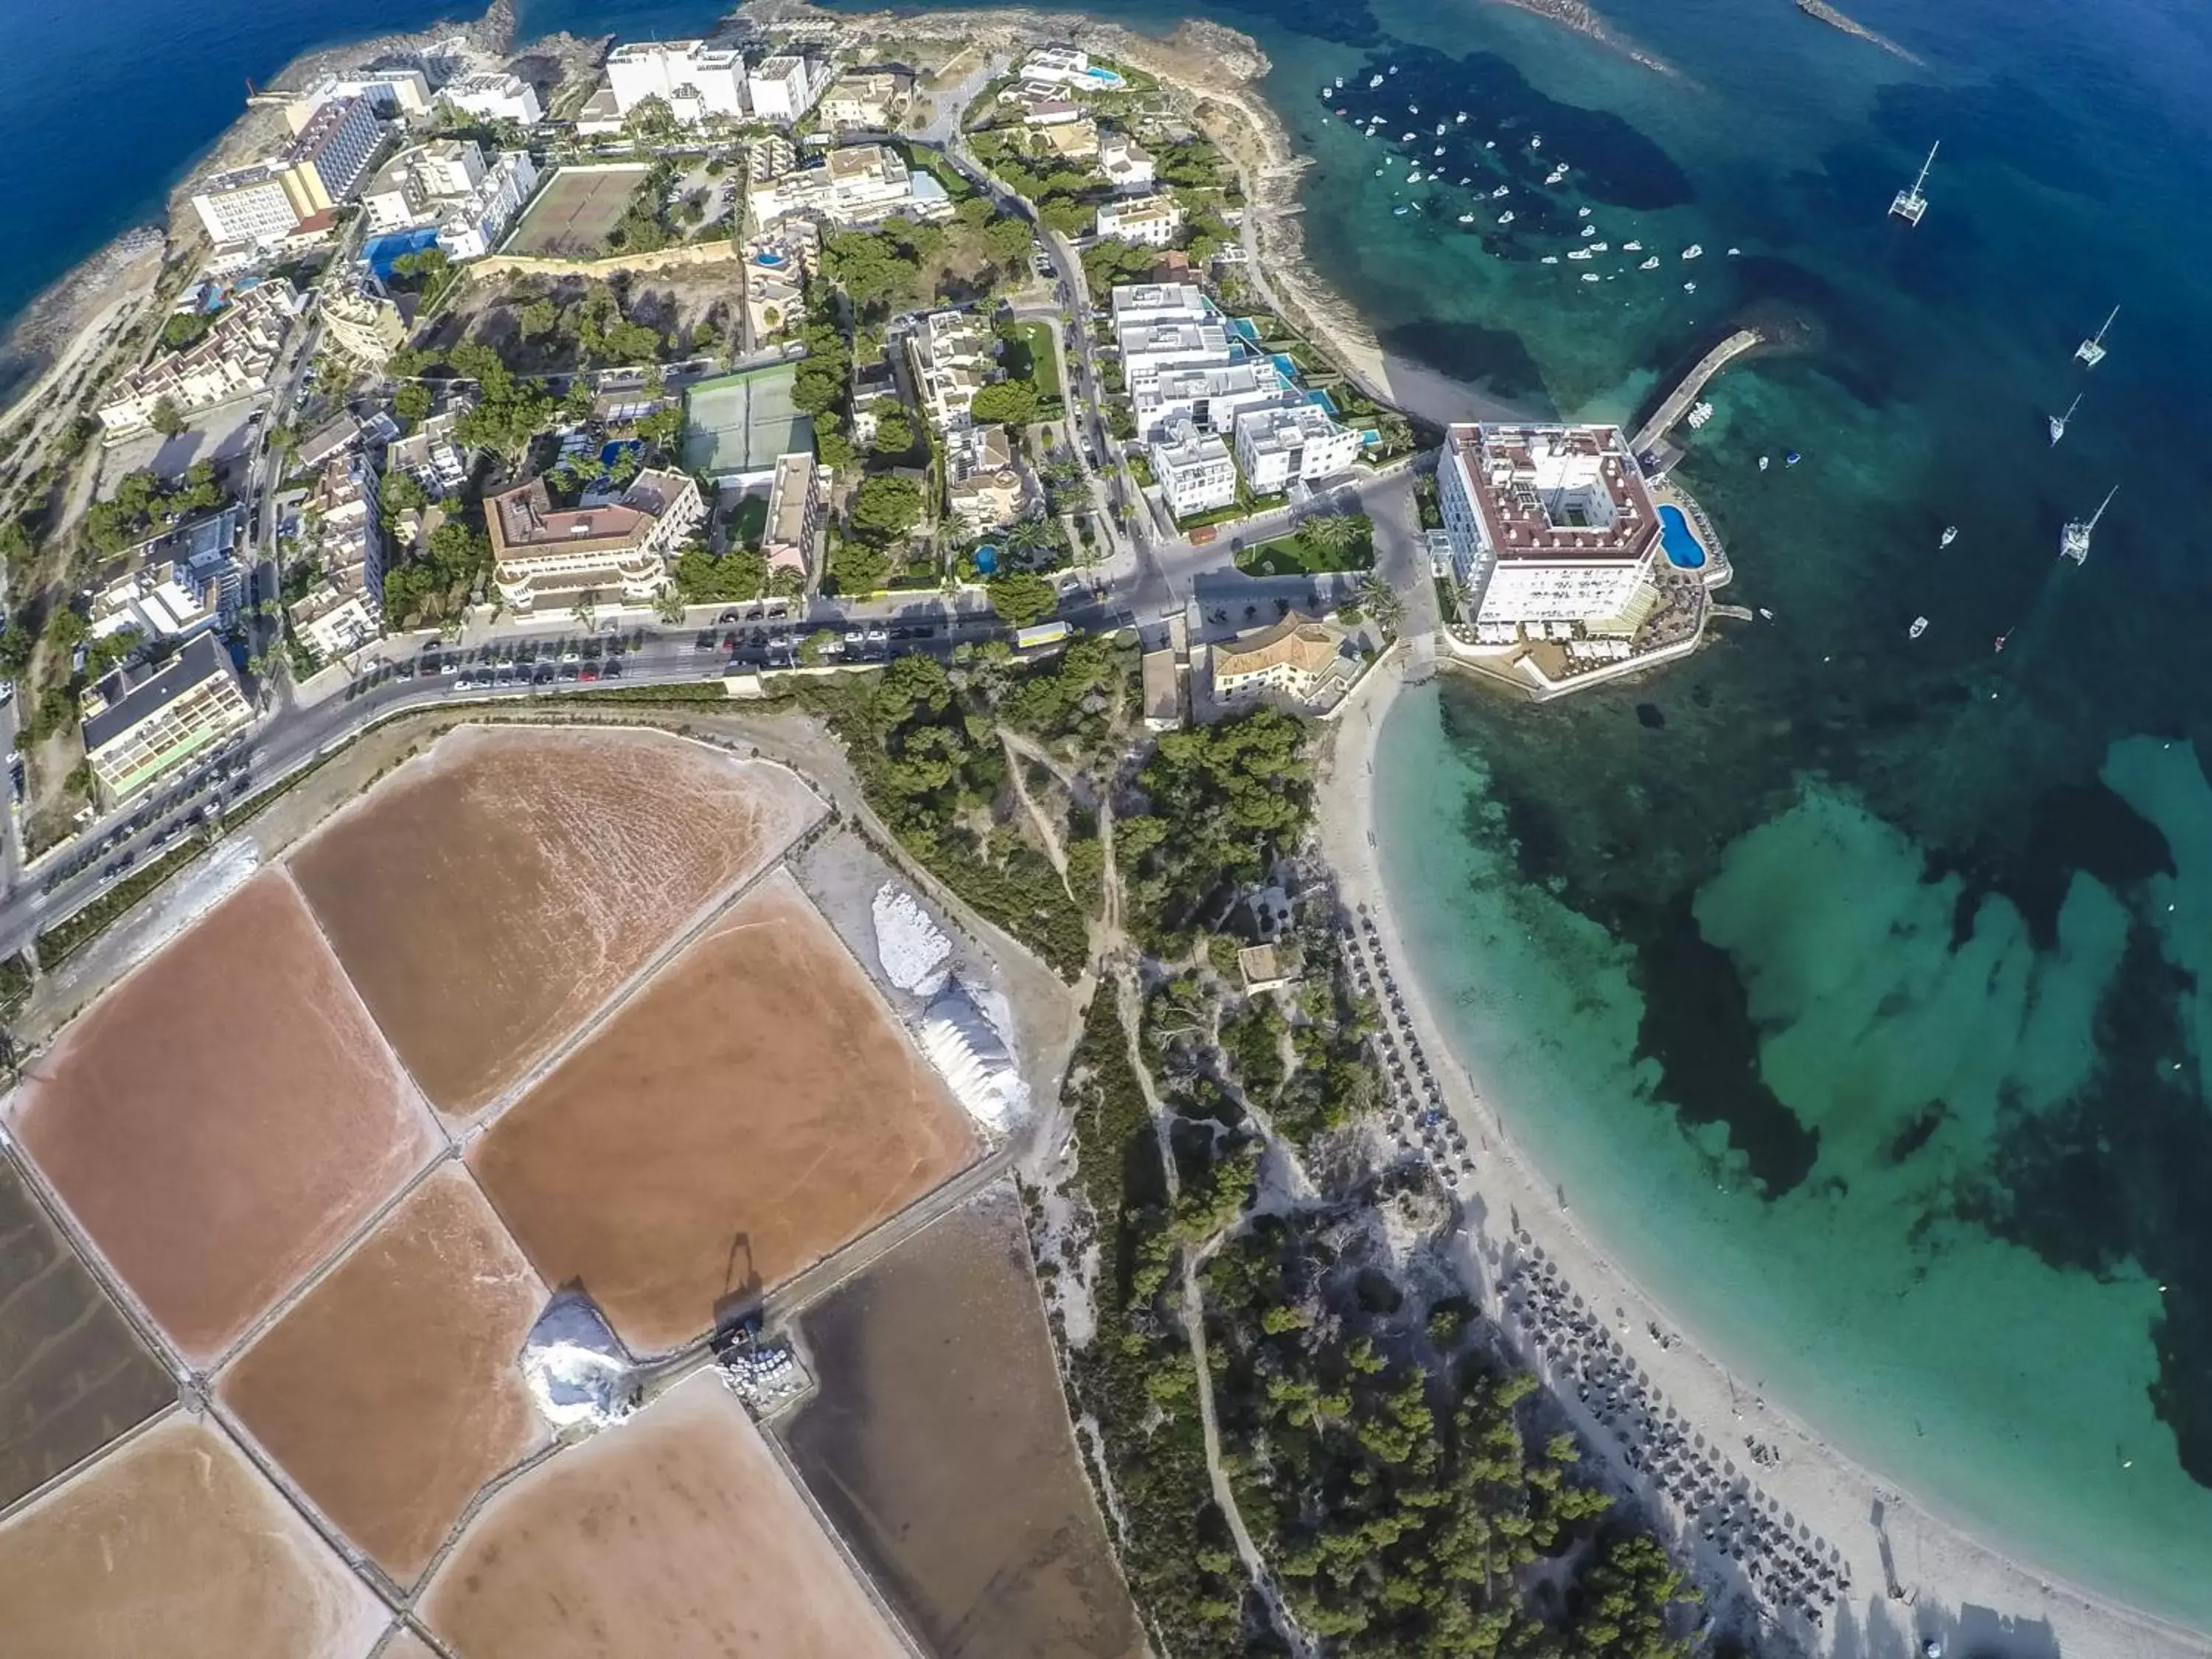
x=1290, y=443
x=1553, y=530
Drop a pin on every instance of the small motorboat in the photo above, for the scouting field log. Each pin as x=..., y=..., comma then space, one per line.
x=1695, y=250
x=1601, y=247
x=1580, y=254
x=1440, y=129
x=1950, y=535
x=1506, y=217
x=1549, y=259
x=1466, y=218
x=1461, y=117
x=1502, y=190
x=1556, y=173
x=1340, y=80
x=1632, y=247
x=1588, y=230
x=1393, y=69
x=2003, y=637
x=1492, y=144
x=1373, y=82
x=1582, y=213
x=1762, y=464
x=1765, y=614
x=1439, y=150
x=1379, y=172
x=1413, y=109
x=1651, y=263
x=1536, y=141
x=1920, y=627
x=1414, y=176
x=1792, y=459
x=1401, y=211
x=1462, y=179
x=1689, y=288
x=1590, y=276
x=1735, y=252
x=1409, y=138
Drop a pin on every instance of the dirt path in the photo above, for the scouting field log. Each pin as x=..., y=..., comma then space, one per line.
x=1052, y=849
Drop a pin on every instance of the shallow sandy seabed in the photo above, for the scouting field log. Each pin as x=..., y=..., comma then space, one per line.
x=940, y=1446
x=223, y=1117
x=175, y=1546
x=750, y=1111
x=675, y=1534
x=389, y=1392
x=491, y=893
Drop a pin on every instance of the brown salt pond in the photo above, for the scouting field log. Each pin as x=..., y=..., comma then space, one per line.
x=174, y=1544
x=227, y=1115
x=73, y=1373
x=749, y=1111
x=675, y=1534
x=389, y=1392
x=490, y=895
x=939, y=1446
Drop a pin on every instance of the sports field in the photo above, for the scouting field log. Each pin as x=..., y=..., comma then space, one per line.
x=574, y=212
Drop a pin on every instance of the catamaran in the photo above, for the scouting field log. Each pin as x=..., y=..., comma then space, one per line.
x=2091, y=351
x=1909, y=204
x=2074, y=540
x=2058, y=422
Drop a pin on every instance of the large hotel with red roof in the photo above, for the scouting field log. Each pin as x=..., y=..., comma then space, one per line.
x=1553, y=532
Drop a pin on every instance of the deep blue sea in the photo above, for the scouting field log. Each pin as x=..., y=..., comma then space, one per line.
x=1858, y=989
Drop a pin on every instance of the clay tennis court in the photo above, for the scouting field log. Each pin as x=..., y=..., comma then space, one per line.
x=575, y=210
x=749, y=1110
x=389, y=1393
x=940, y=1447
x=173, y=1544
x=73, y=1373
x=488, y=895
x=220, y=1120
x=675, y=1535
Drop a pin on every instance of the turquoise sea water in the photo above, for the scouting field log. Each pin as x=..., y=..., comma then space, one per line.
x=1858, y=990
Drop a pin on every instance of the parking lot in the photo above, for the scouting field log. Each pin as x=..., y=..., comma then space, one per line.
x=190, y=801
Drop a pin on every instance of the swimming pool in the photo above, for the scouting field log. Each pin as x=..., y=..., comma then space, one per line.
x=1683, y=549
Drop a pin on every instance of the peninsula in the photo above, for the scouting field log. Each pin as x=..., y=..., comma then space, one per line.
x=780, y=640
x=1823, y=12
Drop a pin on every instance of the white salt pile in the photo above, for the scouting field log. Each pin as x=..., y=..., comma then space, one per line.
x=969, y=1054
x=912, y=948
x=574, y=1365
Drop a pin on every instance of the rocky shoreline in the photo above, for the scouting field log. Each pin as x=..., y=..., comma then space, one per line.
x=1820, y=11
x=1579, y=17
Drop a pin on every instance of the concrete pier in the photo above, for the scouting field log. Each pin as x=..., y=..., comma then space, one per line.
x=1679, y=401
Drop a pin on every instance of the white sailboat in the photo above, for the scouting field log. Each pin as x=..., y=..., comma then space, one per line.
x=1909, y=204
x=2091, y=351
x=2074, y=540
x=2058, y=422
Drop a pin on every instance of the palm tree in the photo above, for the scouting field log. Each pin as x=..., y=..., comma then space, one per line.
x=1381, y=601
x=1334, y=533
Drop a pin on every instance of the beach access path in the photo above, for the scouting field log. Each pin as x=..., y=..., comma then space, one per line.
x=1961, y=1587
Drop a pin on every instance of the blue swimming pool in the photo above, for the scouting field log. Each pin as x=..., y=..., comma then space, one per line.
x=1683, y=550
x=381, y=251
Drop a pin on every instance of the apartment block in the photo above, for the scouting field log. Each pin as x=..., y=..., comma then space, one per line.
x=140, y=727
x=495, y=98
x=246, y=204
x=330, y=157
x=449, y=184
x=232, y=360
x=1192, y=468
x=955, y=356
x=783, y=89
x=694, y=79
x=855, y=184
x=619, y=553
x=797, y=500
x=363, y=321
x=1290, y=442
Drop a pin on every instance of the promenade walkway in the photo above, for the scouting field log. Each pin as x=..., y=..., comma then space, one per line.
x=1679, y=401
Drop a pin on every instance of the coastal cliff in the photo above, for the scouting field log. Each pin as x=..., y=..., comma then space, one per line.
x=1820, y=11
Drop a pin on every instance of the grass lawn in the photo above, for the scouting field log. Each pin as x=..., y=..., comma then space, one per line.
x=1294, y=556
x=1029, y=356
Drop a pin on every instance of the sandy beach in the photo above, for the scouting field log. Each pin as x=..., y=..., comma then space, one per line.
x=1956, y=1586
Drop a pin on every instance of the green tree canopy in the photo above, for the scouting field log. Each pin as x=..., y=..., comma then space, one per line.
x=1022, y=597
